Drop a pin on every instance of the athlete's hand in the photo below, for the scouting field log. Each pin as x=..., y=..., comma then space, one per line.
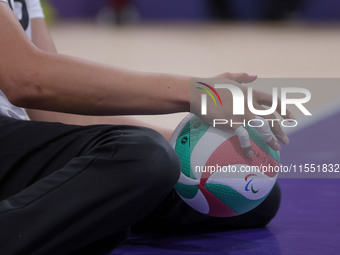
x=271, y=133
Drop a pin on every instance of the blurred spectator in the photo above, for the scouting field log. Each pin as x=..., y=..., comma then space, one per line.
x=118, y=12
x=253, y=9
x=126, y=11
x=281, y=9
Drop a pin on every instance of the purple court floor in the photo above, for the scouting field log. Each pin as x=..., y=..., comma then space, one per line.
x=308, y=221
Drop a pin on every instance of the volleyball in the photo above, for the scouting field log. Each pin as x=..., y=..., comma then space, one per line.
x=216, y=178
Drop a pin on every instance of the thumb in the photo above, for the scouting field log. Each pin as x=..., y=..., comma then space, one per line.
x=245, y=78
x=239, y=77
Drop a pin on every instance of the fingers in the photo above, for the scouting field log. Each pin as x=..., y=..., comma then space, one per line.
x=266, y=99
x=278, y=132
x=289, y=114
x=270, y=133
x=239, y=77
x=244, y=139
x=245, y=78
x=267, y=134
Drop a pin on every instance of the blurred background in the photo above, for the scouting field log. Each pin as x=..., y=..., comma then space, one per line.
x=123, y=11
x=203, y=38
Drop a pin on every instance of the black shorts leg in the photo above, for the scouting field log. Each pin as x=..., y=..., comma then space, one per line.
x=65, y=187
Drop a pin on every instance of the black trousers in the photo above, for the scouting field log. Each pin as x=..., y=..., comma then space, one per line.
x=68, y=189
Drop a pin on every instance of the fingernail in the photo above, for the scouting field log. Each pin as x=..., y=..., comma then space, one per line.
x=251, y=74
x=277, y=146
x=250, y=154
x=285, y=140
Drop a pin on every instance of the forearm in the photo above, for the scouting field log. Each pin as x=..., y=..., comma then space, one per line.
x=33, y=78
x=67, y=84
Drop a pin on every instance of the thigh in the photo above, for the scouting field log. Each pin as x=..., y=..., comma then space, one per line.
x=114, y=176
x=30, y=151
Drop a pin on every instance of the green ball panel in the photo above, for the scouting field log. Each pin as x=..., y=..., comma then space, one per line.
x=186, y=191
x=187, y=140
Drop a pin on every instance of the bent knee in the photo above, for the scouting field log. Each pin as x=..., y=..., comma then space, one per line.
x=143, y=151
x=161, y=162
